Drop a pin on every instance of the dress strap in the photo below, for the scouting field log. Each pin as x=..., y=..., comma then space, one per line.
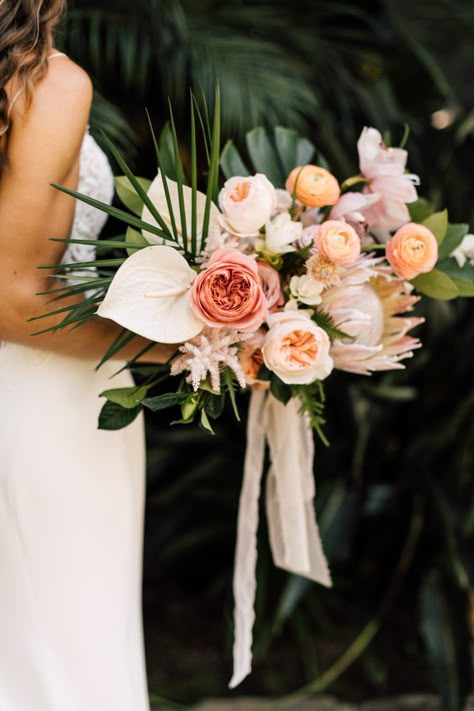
x=57, y=54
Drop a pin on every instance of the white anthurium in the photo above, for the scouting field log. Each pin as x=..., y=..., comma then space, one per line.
x=149, y=295
x=157, y=195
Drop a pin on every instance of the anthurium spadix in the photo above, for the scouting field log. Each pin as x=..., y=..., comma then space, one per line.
x=157, y=195
x=149, y=295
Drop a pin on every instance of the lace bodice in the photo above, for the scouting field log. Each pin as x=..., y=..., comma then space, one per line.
x=95, y=180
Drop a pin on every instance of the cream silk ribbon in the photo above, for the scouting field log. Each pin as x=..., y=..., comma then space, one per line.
x=294, y=535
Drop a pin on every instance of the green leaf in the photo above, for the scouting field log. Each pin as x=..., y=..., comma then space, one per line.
x=453, y=239
x=438, y=224
x=141, y=193
x=280, y=390
x=465, y=288
x=121, y=215
x=117, y=344
x=126, y=397
x=286, y=142
x=189, y=407
x=214, y=404
x=305, y=154
x=232, y=163
x=204, y=422
x=163, y=402
x=135, y=238
x=452, y=269
x=420, y=210
x=167, y=160
x=213, y=175
x=227, y=378
x=115, y=417
x=462, y=277
x=264, y=156
x=326, y=322
x=436, y=285
x=179, y=177
x=128, y=195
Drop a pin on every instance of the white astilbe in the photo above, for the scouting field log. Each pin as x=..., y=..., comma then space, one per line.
x=208, y=353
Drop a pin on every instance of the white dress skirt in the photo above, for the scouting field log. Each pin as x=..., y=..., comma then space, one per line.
x=71, y=522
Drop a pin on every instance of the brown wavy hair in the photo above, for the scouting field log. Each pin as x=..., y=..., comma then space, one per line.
x=26, y=38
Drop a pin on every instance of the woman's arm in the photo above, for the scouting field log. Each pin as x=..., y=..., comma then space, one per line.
x=44, y=148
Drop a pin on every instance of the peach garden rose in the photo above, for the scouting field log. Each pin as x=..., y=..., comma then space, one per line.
x=412, y=250
x=296, y=349
x=338, y=241
x=247, y=203
x=313, y=186
x=228, y=292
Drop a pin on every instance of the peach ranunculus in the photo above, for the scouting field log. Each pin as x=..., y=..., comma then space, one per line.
x=337, y=241
x=251, y=360
x=313, y=186
x=412, y=250
x=270, y=283
x=228, y=292
x=296, y=349
x=247, y=204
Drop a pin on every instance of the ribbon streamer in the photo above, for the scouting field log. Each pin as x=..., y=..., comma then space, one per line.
x=294, y=535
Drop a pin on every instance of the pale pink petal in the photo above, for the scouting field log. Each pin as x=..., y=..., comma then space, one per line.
x=398, y=188
x=386, y=216
x=376, y=159
x=352, y=202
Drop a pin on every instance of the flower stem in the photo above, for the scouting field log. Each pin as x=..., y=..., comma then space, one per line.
x=353, y=181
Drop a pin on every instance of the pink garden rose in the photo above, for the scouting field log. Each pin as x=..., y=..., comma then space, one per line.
x=296, y=349
x=337, y=241
x=412, y=250
x=247, y=203
x=270, y=283
x=228, y=292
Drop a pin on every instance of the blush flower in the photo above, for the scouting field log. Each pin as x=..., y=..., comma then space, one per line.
x=247, y=204
x=281, y=232
x=270, y=283
x=337, y=241
x=372, y=316
x=296, y=349
x=251, y=360
x=306, y=289
x=313, y=186
x=384, y=169
x=228, y=292
x=412, y=250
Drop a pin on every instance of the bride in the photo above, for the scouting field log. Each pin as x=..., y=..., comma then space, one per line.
x=71, y=496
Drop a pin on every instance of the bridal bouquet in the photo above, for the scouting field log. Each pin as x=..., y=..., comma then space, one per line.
x=269, y=283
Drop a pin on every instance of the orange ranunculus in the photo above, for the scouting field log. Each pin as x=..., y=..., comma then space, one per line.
x=313, y=186
x=412, y=250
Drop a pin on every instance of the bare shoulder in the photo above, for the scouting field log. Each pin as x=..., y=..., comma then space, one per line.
x=51, y=131
x=65, y=85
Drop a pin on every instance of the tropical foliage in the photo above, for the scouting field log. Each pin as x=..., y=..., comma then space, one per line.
x=395, y=495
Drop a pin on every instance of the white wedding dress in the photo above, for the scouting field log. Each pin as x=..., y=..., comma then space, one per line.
x=71, y=521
